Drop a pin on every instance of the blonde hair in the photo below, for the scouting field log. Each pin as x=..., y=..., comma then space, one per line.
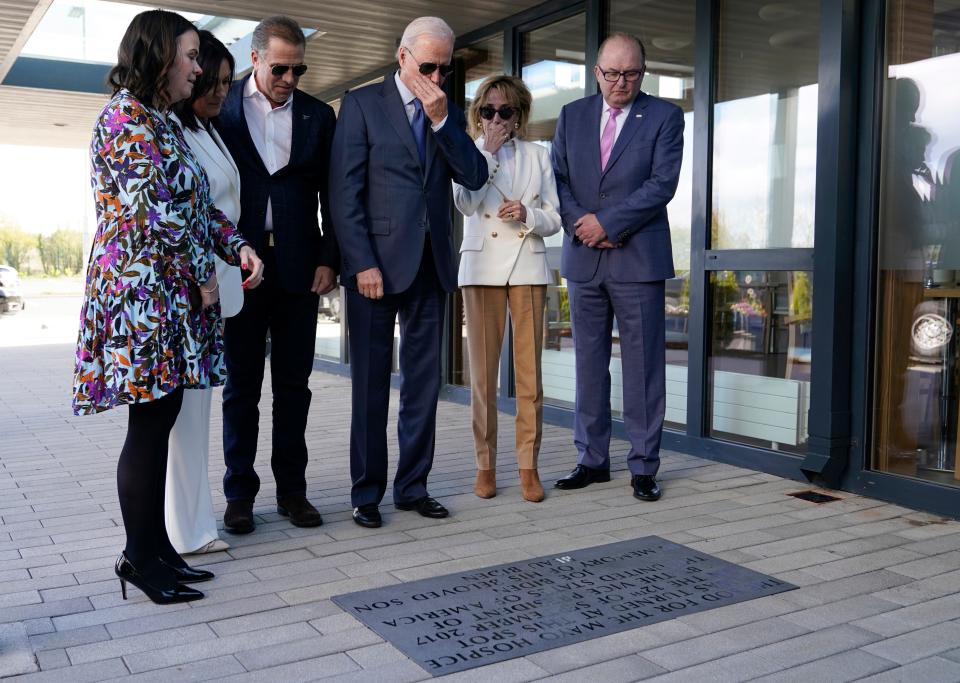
x=514, y=91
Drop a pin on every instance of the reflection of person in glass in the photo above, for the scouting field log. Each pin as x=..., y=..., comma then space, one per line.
x=617, y=160
x=503, y=263
x=903, y=211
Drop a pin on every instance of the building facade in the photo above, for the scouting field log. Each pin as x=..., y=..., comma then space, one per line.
x=816, y=229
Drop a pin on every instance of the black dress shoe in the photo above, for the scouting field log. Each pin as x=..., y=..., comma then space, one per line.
x=238, y=517
x=582, y=476
x=299, y=510
x=645, y=487
x=368, y=516
x=187, y=574
x=126, y=572
x=426, y=506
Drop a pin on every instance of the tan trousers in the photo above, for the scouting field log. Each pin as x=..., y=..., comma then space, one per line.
x=486, y=310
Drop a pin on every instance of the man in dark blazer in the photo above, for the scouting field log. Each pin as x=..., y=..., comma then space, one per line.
x=617, y=160
x=398, y=145
x=280, y=139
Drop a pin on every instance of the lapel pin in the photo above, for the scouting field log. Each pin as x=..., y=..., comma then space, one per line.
x=306, y=116
x=639, y=116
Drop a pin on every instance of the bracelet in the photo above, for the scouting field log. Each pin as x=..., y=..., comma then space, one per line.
x=211, y=290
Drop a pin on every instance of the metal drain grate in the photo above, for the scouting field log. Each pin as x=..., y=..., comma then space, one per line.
x=814, y=497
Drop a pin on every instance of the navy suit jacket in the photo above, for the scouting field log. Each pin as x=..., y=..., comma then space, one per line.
x=629, y=197
x=383, y=201
x=294, y=191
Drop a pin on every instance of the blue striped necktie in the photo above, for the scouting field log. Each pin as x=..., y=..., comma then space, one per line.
x=419, y=130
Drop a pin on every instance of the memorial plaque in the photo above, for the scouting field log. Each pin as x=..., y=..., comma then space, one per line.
x=460, y=621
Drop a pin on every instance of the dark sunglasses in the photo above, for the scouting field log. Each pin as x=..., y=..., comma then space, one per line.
x=280, y=69
x=487, y=112
x=427, y=68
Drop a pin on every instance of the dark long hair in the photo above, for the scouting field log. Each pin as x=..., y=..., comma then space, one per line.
x=212, y=54
x=147, y=52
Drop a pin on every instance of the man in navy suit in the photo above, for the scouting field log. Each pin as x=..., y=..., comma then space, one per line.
x=397, y=147
x=280, y=139
x=617, y=160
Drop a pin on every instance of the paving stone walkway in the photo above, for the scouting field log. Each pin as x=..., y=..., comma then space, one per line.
x=879, y=597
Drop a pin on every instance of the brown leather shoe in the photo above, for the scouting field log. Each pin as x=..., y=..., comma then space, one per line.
x=238, y=517
x=299, y=510
x=530, y=486
x=486, y=484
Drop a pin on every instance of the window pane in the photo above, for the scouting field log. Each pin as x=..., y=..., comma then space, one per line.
x=765, y=125
x=666, y=28
x=759, y=365
x=916, y=383
x=553, y=69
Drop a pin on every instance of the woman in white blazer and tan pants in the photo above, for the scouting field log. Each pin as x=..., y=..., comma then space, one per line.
x=188, y=508
x=503, y=264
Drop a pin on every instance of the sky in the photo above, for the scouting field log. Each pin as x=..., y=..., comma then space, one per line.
x=44, y=188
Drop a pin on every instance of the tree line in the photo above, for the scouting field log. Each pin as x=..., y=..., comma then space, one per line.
x=59, y=253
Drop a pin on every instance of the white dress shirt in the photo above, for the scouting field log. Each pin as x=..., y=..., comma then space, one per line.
x=272, y=132
x=621, y=118
x=408, y=97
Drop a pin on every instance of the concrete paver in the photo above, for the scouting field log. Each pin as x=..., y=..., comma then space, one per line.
x=879, y=595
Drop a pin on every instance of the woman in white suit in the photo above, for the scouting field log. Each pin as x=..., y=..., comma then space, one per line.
x=189, y=509
x=503, y=264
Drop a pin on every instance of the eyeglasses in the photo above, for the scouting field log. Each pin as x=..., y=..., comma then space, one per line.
x=488, y=112
x=427, y=68
x=280, y=69
x=612, y=76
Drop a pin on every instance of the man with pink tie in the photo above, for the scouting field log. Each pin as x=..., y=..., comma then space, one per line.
x=617, y=161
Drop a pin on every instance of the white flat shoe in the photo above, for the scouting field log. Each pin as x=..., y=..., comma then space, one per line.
x=214, y=546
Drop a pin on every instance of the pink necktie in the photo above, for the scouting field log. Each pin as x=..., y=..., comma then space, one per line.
x=609, y=134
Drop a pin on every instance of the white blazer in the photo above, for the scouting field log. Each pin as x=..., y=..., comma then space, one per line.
x=224, y=177
x=501, y=252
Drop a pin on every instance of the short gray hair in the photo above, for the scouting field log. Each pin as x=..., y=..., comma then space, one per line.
x=278, y=26
x=434, y=27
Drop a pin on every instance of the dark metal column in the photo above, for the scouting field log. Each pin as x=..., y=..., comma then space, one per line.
x=834, y=239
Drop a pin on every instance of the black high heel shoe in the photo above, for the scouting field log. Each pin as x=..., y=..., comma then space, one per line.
x=187, y=574
x=161, y=596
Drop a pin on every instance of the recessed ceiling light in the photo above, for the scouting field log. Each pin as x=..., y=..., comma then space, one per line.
x=670, y=42
x=791, y=38
x=779, y=11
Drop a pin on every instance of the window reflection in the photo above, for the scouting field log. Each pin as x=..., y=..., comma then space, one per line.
x=765, y=126
x=915, y=413
x=761, y=340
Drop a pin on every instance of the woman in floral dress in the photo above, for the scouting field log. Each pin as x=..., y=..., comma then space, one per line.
x=150, y=323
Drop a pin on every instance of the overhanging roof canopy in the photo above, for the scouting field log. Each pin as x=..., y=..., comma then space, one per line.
x=42, y=103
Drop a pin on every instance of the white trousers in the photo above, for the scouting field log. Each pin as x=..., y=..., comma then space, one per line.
x=188, y=506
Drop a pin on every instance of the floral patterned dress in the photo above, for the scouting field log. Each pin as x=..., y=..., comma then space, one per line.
x=157, y=232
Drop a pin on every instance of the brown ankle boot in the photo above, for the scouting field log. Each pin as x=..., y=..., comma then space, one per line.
x=530, y=486
x=486, y=485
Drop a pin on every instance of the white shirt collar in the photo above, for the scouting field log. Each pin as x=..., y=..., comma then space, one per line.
x=624, y=110
x=405, y=93
x=252, y=91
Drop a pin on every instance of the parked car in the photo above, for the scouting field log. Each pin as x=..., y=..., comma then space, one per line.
x=11, y=300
